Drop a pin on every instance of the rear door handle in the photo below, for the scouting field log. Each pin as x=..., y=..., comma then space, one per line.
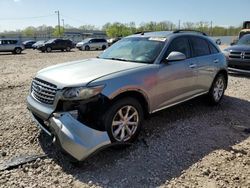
x=216, y=61
x=192, y=66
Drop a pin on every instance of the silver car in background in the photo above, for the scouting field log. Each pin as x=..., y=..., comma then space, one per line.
x=87, y=105
x=92, y=44
x=11, y=45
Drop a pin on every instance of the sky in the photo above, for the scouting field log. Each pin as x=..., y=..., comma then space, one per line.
x=18, y=14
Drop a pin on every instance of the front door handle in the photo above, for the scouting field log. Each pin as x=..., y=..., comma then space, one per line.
x=192, y=66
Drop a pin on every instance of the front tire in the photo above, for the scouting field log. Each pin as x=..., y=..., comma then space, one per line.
x=217, y=90
x=68, y=49
x=48, y=49
x=87, y=48
x=123, y=120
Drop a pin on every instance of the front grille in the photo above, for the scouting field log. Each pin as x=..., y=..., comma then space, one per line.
x=235, y=55
x=43, y=91
x=239, y=55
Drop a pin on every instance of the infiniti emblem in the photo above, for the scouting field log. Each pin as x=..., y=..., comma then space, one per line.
x=38, y=88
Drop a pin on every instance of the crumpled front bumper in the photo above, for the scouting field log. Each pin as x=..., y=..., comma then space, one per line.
x=77, y=139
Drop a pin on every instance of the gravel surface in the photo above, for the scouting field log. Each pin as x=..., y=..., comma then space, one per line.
x=190, y=145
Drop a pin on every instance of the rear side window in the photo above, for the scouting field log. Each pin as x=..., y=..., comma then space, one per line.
x=213, y=49
x=200, y=47
x=179, y=45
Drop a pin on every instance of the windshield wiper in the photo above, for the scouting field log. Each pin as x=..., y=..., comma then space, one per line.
x=118, y=59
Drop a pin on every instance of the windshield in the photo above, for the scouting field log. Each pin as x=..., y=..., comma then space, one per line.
x=245, y=40
x=85, y=40
x=51, y=40
x=135, y=49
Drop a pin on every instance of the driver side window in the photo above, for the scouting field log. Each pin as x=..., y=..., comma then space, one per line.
x=179, y=45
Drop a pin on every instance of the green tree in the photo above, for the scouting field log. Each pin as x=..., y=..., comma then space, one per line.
x=29, y=31
x=58, y=32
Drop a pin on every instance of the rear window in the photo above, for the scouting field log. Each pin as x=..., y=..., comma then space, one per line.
x=200, y=47
x=213, y=49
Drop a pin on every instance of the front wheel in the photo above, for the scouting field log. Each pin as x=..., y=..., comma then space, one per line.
x=217, y=90
x=48, y=49
x=123, y=120
x=87, y=48
x=68, y=49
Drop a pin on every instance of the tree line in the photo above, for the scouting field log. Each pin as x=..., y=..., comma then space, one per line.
x=118, y=29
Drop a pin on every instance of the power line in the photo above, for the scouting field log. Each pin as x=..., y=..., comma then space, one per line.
x=26, y=18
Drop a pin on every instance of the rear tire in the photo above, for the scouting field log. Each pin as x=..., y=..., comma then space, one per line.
x=123, y=120
x=217, y=90
x=17, y=51
x=68, y=49
x=104, y=47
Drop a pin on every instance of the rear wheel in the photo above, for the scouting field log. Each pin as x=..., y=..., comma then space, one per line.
x=123, y=120
x=17, y=51
x=68, y=48
x=217, y=90
x=104, y=47
x=87, y=48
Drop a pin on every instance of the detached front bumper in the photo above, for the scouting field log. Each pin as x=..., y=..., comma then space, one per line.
x=77, y=139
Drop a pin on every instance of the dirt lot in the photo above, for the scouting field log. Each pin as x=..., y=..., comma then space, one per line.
x=190, y=145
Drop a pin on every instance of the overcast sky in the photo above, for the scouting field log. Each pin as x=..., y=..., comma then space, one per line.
x=18, y=14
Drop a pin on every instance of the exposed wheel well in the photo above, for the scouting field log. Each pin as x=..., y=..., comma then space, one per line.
x=138, y=96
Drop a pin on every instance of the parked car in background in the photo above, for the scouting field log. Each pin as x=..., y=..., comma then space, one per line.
x=11, y=45
x=92, y=44
x=28, y=44
x=111, y=41
x=38, y=44
x=89, y=104
x=56, y=44
x=238, y=55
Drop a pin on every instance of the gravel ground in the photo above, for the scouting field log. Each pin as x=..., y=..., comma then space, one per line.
x=190, y=145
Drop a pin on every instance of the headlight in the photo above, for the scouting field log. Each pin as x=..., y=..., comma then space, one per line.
x=81, y=93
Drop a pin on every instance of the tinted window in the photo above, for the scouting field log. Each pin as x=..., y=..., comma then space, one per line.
x=213, y=49
x=94, y=40
x=200, y=47
x=179, y=45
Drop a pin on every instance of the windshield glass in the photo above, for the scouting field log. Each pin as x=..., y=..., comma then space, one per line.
x=135, y=49
x=245, y=40
x=85, y=40
x=51, y=40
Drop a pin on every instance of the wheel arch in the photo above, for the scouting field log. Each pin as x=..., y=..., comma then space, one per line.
x=224, y=73
x=136, y=94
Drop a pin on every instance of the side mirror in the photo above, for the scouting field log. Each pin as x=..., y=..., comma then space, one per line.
x=176, y=56
x=218, y=41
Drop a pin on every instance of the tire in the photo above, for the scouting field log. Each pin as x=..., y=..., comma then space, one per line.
x=217, y=90
x=62, y=50
x=104, y=47
x=116, y=120
x=87, y=48
x=17, y=51
x=68, y=49
x=48, y=49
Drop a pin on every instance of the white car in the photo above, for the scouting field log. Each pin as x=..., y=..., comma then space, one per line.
x=92, y=44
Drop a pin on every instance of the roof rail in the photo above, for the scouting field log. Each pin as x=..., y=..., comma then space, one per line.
x=141, y=32
x=189, y=30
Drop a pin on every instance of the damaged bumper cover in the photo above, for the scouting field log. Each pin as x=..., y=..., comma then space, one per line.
x=77, y=139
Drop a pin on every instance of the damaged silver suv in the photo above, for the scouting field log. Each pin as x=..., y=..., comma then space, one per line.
x=89, y=104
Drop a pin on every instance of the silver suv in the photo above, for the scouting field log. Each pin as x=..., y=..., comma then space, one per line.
x=10, y=45
x=89, y=104
x=92, y=44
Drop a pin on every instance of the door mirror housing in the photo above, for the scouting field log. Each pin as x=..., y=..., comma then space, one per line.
x=176, y=56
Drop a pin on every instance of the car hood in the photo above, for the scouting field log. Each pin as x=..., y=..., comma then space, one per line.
x=239, y=48
x=80, y=73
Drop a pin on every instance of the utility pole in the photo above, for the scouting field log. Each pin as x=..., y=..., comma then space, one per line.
x=63, y=23
x=179, y=24
x=211, y=29
x=58, y=19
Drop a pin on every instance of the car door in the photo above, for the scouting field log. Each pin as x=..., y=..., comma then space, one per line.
x=205, y=63
x=176, y=79
x=57, y=44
